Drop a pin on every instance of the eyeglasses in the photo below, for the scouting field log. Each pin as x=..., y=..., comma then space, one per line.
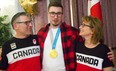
x=86, y=25
x=25, y=22
x=52, y=14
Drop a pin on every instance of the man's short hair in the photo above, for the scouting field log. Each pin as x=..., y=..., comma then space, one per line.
x=17, y=15
x=55, y=4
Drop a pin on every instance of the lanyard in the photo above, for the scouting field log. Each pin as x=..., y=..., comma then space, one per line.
x=56, y=38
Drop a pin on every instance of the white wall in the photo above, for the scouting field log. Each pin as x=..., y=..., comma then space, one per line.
x=10, y=7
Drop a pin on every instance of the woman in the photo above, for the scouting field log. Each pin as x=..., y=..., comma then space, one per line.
x=91, y=55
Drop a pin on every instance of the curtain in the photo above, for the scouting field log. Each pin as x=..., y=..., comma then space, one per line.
x=109, y=20
x=66, y=11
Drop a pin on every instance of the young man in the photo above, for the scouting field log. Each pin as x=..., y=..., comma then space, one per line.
x=57, y=41
x=21, y=52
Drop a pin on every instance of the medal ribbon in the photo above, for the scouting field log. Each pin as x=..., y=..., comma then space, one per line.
x=56, y=38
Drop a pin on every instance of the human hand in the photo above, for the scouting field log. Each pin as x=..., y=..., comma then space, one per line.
x=111, y=55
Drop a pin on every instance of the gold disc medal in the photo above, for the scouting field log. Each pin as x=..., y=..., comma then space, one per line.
x=53, y=53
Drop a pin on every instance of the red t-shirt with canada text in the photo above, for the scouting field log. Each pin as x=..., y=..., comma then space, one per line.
x=92, y=59
x=21, y=54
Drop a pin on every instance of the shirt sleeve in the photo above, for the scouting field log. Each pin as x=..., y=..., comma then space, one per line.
x=4, y=60
x=107, y=62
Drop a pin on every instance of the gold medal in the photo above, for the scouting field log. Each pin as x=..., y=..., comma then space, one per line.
x=53, y=53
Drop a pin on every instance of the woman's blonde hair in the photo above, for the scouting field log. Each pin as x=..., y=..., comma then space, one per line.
x=96, y=27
